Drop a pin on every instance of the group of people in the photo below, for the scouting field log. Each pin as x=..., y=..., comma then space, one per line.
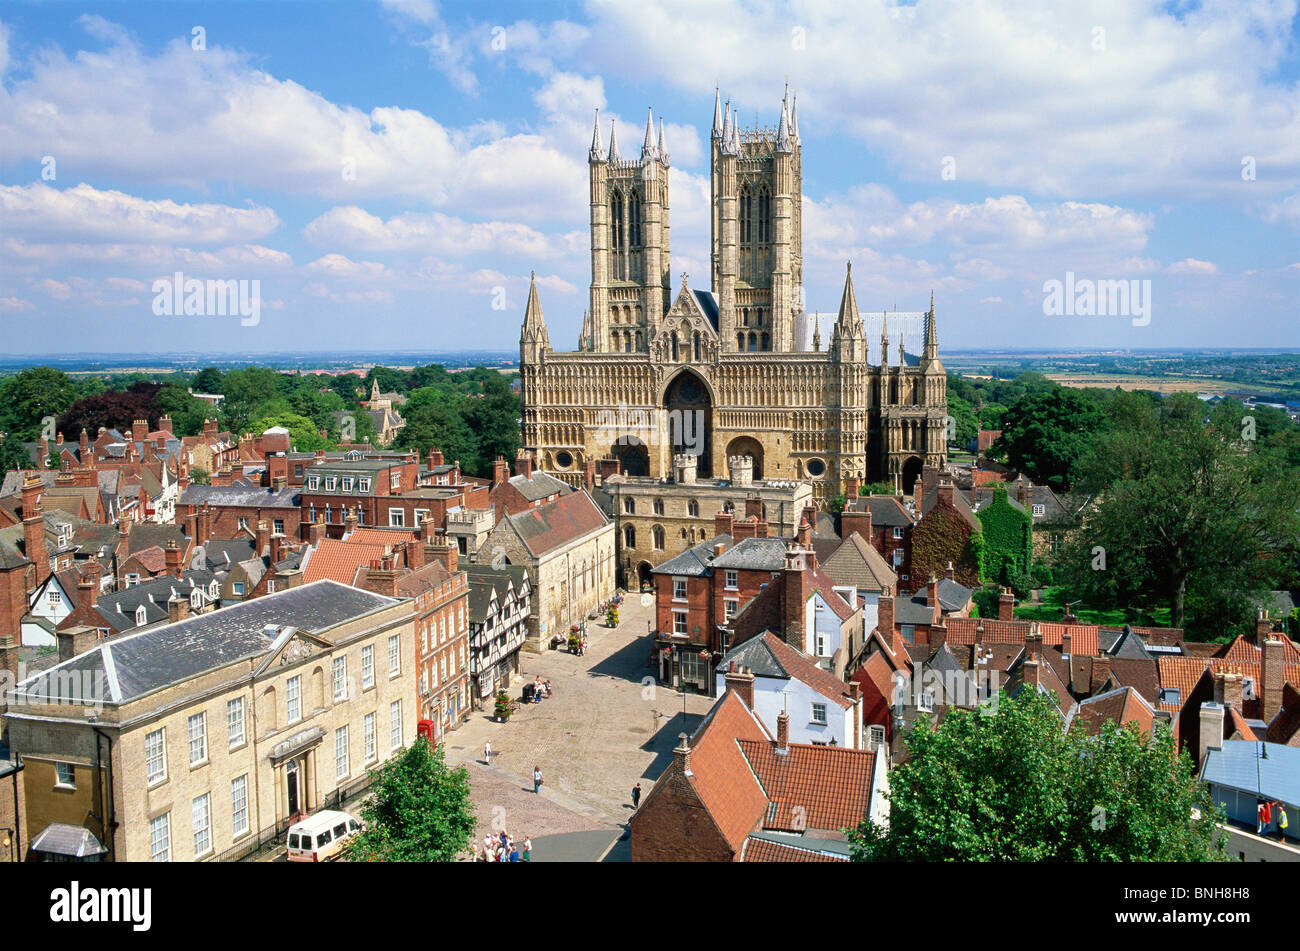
x=1268, y=811
x=541, y=689
x=502, y=848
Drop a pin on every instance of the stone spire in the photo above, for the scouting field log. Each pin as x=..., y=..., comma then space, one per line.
x=931, y=350
x=783, y=140
x=848, y=318
x=735, y=132
x=663, y=149
x=597, y=153
x=613, y=143
x=817, y=332
x=534, y=324
x=884, y=339
x=726, y=131
x=717, y=113
x=648, y=146
x=794, y=117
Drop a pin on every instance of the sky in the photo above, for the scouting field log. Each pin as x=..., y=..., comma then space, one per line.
x=391, y=173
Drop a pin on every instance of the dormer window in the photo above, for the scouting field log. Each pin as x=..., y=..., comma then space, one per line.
x=363, y=485
x=347, y=484
x=1039, y=509
x=313, y=482
x=140, y=615
x=330, y=482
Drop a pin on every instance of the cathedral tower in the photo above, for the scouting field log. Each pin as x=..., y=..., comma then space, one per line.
x=629, y=243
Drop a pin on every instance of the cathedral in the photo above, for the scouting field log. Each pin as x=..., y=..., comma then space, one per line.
x=721, y=374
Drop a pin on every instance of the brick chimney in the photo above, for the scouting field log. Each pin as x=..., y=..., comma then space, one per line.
x=1211, y=728
x=885, y=615
x=589, y=475
x=316, y=531
x=855, y=695
x=805, y=535
x=1263, y=627
x=740, y=681
x=1066, y=642
x=945, y=495
x=723, y=523
x=42, y=453
x=782, y=732
x=932, y=592
x=191, y=528
x=415, y=555
x=174, y=557
x=262, y=538
x=852, y=486
x=609, y=468
x=434, y=458
x=350, y=519
x=1228, y=688
x=1270, y=695
x=445, y=554
x=524, y=464
x=754, y=507
x=1006, y=605
x=277, y=548
x=139, y=430
x=499, y=471
x=178, y=608
x=857, y=521
x=34, y=528
x=792, y=598
x=682, y=754
x=948, y=572
x=88, y=586
x=1031, y=669
x=381, y=578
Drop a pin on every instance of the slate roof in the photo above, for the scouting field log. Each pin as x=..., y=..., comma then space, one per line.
x=856, y=562
x=152, y=595
x=886, y=510
x=769, y=656
x=1240, y=765
x=557, y=523
x=695, y=561
x=133, y=666
x=539, y=485
x=708, y=304
x=221, y=553
x=754, y=554
x=240, y=495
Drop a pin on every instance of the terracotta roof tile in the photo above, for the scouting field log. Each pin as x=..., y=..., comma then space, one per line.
x=761, y=850
x=721, y=777
x=801, y=667
x=339, y=560
x=812, y=787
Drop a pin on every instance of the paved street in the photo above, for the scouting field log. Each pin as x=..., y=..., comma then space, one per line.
x=606, y=727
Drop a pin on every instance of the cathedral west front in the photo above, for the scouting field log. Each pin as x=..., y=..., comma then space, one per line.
x=664, y=369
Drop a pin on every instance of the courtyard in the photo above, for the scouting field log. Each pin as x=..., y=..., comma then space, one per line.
x=606, y=727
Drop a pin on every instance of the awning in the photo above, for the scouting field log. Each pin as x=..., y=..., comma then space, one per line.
x=60, y=838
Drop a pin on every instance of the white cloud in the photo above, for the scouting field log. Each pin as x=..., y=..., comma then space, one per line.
x=88, y=214
x=352, y=227
x=1192, y=266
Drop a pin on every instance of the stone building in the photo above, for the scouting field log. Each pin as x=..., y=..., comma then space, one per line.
x=213, y=733
x=658, y=520
x=719, y=373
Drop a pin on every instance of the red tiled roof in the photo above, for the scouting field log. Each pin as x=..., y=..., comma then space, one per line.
x=380, y=536
x=339, y=560
x=1245, y=649
x=879, y=673
x=812, y=787
x=1121, y=706
x=761, y=850
x=557, y=523
x=1239, y=725
x=718, y=771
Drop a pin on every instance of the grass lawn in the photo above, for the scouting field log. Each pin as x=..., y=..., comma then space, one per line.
x=1053, y=609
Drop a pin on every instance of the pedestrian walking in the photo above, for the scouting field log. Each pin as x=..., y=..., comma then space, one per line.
x=636, y=796
x=487, y=752
x=1281, y=822
x=537, y=779
x=528, y=850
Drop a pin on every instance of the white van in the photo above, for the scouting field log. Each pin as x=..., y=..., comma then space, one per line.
x=321, y=837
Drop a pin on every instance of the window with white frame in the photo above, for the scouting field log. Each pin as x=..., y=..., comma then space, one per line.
x=237, y=587
x=198, y=730
x=65, y=776
x=819, y=713
x=239, y=805
x=340, y=678
x=155, y=757
x=278, y=526
x=395, y=725
x=201, y=811
x=680, y=622
x=368, y=730
x=732, y=579
x=898, y=531
x=679, y=589
x=394, y=655
x=235, y=721
x=329, y=483
x=160, y=838
x=367, y=666
x=898, y=557
x=293, y=698
x=875, y=736
x=341, y=752
x=396, y=518
x=925, y=703
x=1039, y=509
x=347, y=483
x=730, y=607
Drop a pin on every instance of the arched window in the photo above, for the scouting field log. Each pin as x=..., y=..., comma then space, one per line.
x=744, y=317
x=659, y=506
x=616, y=221
x=627, y=341
x=746, y=215
x=640, y=340
x=657, y=534
x=764, y=216
x=693, y=508
x=629, y=536
x=766, y=343
x=698, y=356
x=740, y=342
x=634, y=220
x=753, y=342
x=676, y=355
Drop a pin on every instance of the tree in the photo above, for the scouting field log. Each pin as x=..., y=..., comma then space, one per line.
x=303, y=434
x=1045, y=432
x=187, y=412
x=418, y=810
x=249, y=394
x=1190, y=514
x=13, y=455
x=877, y=488
x=436, y=419
x=965, y=426
x=208, y=380
x=112, y=409
x=29, y=396
x=1015, y=786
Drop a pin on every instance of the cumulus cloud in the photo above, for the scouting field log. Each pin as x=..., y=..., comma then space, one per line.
x=1192, y=266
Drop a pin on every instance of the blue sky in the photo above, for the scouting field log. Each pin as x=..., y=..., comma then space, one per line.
x=392, y=172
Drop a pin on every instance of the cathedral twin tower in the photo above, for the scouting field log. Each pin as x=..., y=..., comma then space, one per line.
x=721, y=373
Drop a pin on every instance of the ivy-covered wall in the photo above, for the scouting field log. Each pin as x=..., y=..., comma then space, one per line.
x=943, y=536
x=1008, y=549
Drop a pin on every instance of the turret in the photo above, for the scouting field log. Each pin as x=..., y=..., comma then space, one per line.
x=533, y=340
x=597, y=153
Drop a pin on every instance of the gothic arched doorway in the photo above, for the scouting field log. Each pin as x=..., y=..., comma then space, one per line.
x=690, y=420
x=911, y=472
x=645, y=580
x=748, y=446
x=633, y=456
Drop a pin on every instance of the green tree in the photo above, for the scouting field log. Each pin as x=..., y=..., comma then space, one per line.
x=877, y=488
x=208, y=380
x=1045, y=432
x=418, y=809
x=303, y=434
x=187, y=412
x=1190, y=515
x=30, y=395
x=436, y=419
x=1014, y=786
x=13, y=455
x=965, y=425
x=249, y=394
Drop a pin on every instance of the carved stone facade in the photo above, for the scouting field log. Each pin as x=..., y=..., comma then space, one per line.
x=716, y=373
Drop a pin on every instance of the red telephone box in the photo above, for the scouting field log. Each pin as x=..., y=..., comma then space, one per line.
x=425, y=728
